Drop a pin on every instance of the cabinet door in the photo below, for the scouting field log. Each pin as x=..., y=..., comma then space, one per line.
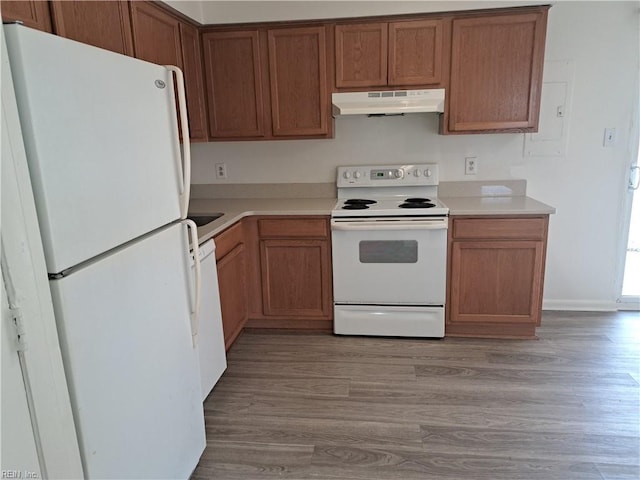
x=233, y=293
x=296, y=277
x=496, y=281
x=496, y=72
x=99, y=23
x=193, y=79
x=361, y=55
x=234, y=83
x=156, y=35
x=34, y=14
x=415, y=52
x=297, y=72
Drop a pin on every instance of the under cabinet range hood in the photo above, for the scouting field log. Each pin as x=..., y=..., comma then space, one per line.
x=388, y=102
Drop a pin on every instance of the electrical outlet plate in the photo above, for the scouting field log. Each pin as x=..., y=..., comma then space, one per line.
x=609, y=137
x=470, y=165
x=221, y=170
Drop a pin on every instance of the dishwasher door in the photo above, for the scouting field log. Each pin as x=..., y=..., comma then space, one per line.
x=211, y=352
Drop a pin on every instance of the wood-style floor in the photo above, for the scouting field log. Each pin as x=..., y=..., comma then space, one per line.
x=318, y=406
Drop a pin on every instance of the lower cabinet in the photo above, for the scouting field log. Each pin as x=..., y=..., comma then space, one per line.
x=275, y=272
x=292, y=274
x=496, y=274
x=232, y=279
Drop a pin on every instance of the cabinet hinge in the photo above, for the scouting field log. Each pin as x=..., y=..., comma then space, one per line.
x=18, y=324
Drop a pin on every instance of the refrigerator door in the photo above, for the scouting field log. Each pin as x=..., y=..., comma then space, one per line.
x=125, y=333
x=101, y=138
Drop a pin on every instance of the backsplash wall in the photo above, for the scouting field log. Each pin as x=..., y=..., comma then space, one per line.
x=359, y=140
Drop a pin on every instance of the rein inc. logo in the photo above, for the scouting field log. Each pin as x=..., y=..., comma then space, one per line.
x=18, y=474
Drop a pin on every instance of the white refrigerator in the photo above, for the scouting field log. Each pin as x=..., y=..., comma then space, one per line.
x=111, y=186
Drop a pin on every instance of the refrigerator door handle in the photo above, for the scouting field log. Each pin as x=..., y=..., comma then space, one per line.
x=186, y=145
x=195, y=312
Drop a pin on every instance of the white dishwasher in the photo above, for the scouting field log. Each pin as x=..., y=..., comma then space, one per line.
x=210, y=345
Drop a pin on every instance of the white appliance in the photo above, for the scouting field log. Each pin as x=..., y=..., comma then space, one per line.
x=389, y=250
x=211, y=352
x=111, y=190
x=388, y=102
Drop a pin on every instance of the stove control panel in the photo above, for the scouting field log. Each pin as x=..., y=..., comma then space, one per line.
x=388, y=175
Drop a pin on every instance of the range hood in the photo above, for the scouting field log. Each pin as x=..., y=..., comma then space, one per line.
x=388, y=103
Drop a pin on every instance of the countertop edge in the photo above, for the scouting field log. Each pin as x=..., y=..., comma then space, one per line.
x=458, y=206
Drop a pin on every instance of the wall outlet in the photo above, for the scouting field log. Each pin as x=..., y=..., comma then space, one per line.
x=471, y=165
x=221, y=170
x=609, y=137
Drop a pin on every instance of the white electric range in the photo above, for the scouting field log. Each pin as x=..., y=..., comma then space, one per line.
x=389, y=243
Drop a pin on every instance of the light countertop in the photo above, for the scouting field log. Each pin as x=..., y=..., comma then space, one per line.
x=508, y=205
x=236, y=208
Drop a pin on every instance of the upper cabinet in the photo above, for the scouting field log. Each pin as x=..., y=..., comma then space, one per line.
x=496, y=72
x=194, y=81
x=274, y=80
x=100, y=23
x=361, y=55
x=34, y=14
x=267, y=83
x=234, y=83
x=156, y=34
x=415, y=52
x=161, y=38
x=297, y=74
x=388, y=54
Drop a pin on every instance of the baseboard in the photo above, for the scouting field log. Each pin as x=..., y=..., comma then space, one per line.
x=580, y=305
x=629, y=305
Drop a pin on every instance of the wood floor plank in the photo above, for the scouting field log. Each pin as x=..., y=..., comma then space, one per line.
x=324, y=387
x=317, y=406
x=241, y=460
x=614, y=449
x=312, y=431
x=377, y=464
x=301, y=368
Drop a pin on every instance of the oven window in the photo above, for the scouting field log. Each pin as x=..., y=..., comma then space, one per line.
x=388, y=251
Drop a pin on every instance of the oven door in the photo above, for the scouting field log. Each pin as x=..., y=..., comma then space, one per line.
x=389, y=261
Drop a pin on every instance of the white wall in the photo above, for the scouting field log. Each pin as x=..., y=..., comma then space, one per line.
x=586, y=185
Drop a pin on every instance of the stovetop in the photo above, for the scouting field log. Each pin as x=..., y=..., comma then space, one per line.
x=389, y=206
x=388, y=190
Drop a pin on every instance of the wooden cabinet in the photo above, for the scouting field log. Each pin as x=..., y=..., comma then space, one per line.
x=290, y=272
x=496, y=273
x=104, y=24
x=32, y=13
x=232, y=280
x=402, y=53
x=267, y=83
x=161, y=38
x=496, y=72
x=234, y=83
x=194, y=81
x=297, y=74
x=361, y=55
x=156, y=34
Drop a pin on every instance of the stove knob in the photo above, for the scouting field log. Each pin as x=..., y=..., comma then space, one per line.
x=427, y=173
x=357, y=174
x=398, y=173
x=417, y=172
x=346, y=175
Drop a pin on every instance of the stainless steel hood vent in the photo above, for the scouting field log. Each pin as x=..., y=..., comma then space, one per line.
x=388, y=103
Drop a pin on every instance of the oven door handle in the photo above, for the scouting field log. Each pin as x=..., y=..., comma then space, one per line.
x=391, y=225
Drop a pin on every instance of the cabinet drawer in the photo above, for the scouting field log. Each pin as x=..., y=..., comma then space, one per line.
x=502, y=228
x=293, y=227
x=227, y=240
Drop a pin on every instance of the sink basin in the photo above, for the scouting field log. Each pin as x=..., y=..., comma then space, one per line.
x=201, y=220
